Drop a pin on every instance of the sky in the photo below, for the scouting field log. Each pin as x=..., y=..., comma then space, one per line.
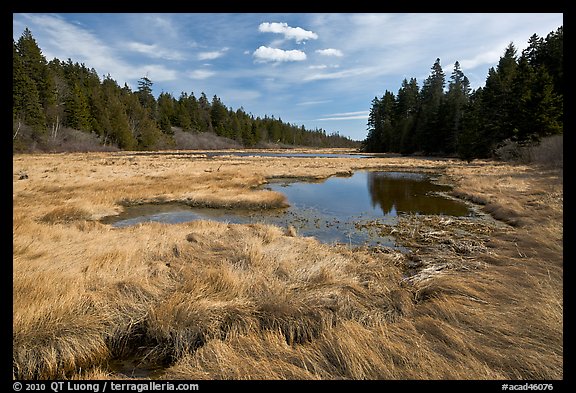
x=320, y=70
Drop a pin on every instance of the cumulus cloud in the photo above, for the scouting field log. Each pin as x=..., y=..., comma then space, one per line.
x=330, y=52
x=264, y=54
x=211, y=55
x=296, y=33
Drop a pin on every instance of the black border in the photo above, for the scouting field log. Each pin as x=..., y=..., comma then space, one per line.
x=107, y=6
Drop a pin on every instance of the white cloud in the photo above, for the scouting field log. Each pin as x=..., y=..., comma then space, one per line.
x=61, y=39
x=212, y=55
x=345, y=116
x=349, y=113
x=163, y=24
x=201, y=74
x=264, y=53
x=156, y=72
x=296, y=33
x=488, y=57
x=340, y=74
x=154, y=51
x=330, y=52
x=314, y=102
x=323, y=66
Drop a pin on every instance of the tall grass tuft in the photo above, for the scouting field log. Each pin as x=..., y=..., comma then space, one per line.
x=65, y=214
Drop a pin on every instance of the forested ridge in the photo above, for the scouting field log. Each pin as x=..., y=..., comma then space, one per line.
x=58, y=101
x=521, y=102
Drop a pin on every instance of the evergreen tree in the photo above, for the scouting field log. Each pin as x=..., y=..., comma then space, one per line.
x=166, y=112
x=373, y=142
x=539, y=108
x=183, y=115
x=55, y=113
x=144, y=94
x=77, y=110
x=407, y=104
x=387, y=110
x=219, y=117
x=204, y=114
x=26, y=107
x=430, y=133
x=499, y=104
x=69, y=93
x=470, y=143
x=456, y=99
x=36, y=67
x=114, y=122
x=553, y=59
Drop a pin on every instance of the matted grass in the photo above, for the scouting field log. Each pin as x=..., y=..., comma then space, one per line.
x=475, y=298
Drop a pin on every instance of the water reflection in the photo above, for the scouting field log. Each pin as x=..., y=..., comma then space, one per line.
x=335, y=210
x=403, y=192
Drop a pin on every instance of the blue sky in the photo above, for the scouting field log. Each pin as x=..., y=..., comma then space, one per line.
x=317, y=69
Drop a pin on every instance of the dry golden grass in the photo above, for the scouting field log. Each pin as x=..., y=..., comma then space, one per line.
x=474, y=299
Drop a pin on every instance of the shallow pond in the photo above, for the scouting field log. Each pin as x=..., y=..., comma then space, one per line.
x=339, y=209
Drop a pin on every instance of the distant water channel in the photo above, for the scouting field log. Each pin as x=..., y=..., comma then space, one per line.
x=256, y=153
x=339, y=209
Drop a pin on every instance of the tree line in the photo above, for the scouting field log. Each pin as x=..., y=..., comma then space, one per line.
x=49, y=96
x=521, y=101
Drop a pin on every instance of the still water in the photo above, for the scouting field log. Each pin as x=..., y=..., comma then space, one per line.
x=339, y=209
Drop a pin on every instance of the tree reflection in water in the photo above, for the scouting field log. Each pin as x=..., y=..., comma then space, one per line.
x=410, y=193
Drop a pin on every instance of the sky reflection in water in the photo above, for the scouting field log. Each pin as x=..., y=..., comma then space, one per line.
x=330, y=210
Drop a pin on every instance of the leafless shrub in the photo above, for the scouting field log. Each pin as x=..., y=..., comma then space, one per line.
x=508, y=150
x=548, y=153
x=202, y=141
x=71, y=140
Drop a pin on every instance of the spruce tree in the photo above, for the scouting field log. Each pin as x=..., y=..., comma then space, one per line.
x=36, y=67
x=407, y=104
x=219, y=117
x=470, y=142
x=144, y=94
x=26, y=107
x=499, y=103
x=456, y=99
x=429, y=130
x=182, y=113
x=77, y=110
x=166, y=112
x=373, y=141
